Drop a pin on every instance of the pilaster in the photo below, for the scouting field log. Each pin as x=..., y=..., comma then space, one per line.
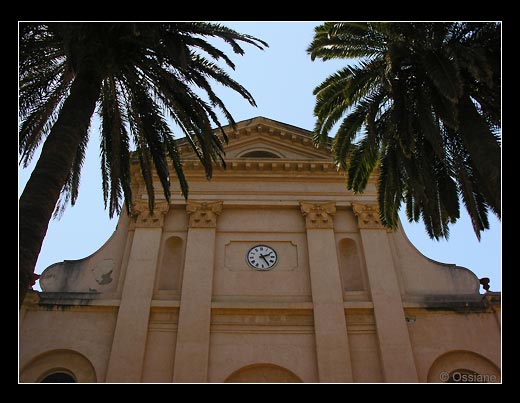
x=392, y=331
x=333, y=354
x=128, y=345
x=193, y=334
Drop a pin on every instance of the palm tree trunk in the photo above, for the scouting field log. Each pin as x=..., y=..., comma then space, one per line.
x=42, y=191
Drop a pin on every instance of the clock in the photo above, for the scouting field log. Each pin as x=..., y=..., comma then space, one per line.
x=262, y=257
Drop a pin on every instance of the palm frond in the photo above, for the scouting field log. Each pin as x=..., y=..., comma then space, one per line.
x=344, y=40
x=343, y=143
x=229, y=35
x=363, y=159
x=444, y=74
x=484, y=149
x=115, y=146
x=390, y=188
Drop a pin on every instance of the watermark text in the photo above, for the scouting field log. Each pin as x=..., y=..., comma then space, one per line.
x=463, y=377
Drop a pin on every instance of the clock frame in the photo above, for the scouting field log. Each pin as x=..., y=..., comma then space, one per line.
x=262, y=257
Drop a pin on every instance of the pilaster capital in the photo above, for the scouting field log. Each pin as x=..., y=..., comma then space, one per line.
x=204, y=214
x=368, y=215
x=318, y=215
x=143, y=216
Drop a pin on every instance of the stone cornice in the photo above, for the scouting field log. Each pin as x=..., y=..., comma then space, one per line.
x=266, y=165
x=270, y=128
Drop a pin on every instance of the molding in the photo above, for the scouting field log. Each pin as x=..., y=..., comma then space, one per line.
x=274, y=165
x=270, y=129
x=247, y=306
x=358, y=305
x=163, y=320
x=160, y=303
x=457, y=303
x=262, y=321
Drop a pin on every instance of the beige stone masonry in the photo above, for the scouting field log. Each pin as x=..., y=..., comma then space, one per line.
x=394, y=341
x=203, y=215
x=333, y=355
x=318, y=215
x=128, y=346
x=192, y=350
x=368, y=216
x=170, y=296
x=145, y=218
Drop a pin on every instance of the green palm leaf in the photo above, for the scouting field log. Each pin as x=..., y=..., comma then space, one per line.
x=444, y=74
x=426, y=98
x=139, y=74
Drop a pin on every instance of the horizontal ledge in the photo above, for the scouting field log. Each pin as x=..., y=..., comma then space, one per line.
x=358, y=305
x=284, y=305
x=163, y=303
x=236, y=201
x=261, y=305
x=456, y=302
x=271, y=165
x=267, y=202
x=73, y=300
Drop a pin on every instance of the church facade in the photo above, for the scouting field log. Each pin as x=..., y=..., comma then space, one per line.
x=270, y=272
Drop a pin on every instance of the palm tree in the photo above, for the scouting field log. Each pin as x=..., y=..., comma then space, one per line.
x=422, y=104
x=138, y=74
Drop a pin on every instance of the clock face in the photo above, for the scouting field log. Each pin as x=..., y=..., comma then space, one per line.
x=261, y=257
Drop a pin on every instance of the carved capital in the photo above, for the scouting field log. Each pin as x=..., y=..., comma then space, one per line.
x=368, y=215
x=143, y=216
x=318, y=215
x=203, y=215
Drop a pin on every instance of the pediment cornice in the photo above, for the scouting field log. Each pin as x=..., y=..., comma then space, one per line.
x=267, y=132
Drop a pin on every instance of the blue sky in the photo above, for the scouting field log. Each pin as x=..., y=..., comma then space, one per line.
x=281, y=79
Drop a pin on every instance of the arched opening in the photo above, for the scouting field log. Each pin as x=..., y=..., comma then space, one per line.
x=59, y=377
x=463, y=367
x=171, y=265
x=260, y=154
x=263, y=373
x=350, y=266
x=58, y=366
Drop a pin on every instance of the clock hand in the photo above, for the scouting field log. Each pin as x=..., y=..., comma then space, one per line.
x=263, y=257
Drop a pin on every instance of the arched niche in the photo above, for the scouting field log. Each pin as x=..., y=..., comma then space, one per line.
x=67, y=362
x=461, y=364
x=350, y=266
x=171, y=265
x=263, y=373
x=59, y=376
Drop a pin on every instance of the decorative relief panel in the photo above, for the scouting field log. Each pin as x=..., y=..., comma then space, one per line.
x=236, y=251
x=203, y=215
x=318, y=215
x=368, y=215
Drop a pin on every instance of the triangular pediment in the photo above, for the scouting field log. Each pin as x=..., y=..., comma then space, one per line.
x=262, y=138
